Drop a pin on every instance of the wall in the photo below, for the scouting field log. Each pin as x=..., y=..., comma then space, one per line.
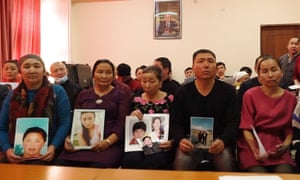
x=123, y=31
x=55, y=31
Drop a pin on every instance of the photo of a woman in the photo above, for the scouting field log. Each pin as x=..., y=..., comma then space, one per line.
x=90, y=133
x=158, y=132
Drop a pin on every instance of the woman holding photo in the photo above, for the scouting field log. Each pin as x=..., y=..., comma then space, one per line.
x=151, y=100
x=104, y=95
x=90, y=133
x=35, y=96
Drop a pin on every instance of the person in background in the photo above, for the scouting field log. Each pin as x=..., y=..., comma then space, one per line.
x=60, y=74
x=221, y=69
x=287, y=62
x=115, y=101
x=239, y=77
x=267, y=110
x=151, y=100
x=10, y=71
x=3, y=92
x=189, y=75
x=248, y=84
x=296, y=134
x=205, y=97
x=139, y=72
x=169, y=85
x=124, y=75
x=188, y=72
x=247, y=70
x=35, y=97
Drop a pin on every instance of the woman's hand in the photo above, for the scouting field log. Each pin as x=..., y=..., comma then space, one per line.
x=68, y=145
x=185, y=145
x=137, y=113
x=166, y=145
x=49, y=156
x=280, y=149
x=12, y=157
x=101, y=146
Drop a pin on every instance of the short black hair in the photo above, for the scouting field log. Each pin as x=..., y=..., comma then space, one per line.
x=221, y=63
x=123, y=70
x=36, y=130
x=203, y=51
x=139, y=125
x=246, y=69
x=187, y=69
x=165, y=62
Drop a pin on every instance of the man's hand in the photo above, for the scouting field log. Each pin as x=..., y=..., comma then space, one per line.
x=185, y=145
x=217, y=147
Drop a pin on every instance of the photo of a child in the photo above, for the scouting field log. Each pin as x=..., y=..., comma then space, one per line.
x=31, y=137
x=34, y=139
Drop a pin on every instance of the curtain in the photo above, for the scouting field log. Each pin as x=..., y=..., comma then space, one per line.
x=5, y=30
x=25, y=27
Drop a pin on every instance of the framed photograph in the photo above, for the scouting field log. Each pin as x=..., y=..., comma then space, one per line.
x=167, y=19
x=153, y=126
x=87, y=127
x=202, y=131
x=31, y=137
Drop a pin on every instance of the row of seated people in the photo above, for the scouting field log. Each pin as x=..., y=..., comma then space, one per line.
x=267, y=109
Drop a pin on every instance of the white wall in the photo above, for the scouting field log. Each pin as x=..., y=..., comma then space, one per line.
x=123, y=31
x=55, y=31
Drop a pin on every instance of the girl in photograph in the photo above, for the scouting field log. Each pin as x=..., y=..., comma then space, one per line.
x=158, y=131
x=90, y=133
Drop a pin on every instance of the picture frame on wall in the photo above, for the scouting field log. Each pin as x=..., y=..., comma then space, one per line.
x=167, y=19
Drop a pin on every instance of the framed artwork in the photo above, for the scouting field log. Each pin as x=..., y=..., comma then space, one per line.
x=87, y=128
x=153, y=127
x=31, y=137
x=167, y=19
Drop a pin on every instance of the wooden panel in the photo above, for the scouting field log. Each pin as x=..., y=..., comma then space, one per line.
x=32, y=172
x=274, y=38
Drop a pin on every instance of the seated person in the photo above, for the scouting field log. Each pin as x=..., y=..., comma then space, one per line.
x=267, y=109
x=205, y=97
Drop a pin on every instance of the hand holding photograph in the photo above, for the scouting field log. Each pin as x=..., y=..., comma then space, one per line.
x=202, y=132
x=87, y=128
x=155, y=126
x=31, y=137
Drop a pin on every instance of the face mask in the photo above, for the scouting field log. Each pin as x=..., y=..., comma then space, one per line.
x=61, y=80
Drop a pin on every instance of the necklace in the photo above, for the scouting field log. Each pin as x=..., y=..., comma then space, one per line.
x=101, y=94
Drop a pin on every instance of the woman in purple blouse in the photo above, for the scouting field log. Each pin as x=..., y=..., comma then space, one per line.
x=106, y=153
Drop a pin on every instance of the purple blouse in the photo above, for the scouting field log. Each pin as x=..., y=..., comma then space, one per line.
x=116, y=106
